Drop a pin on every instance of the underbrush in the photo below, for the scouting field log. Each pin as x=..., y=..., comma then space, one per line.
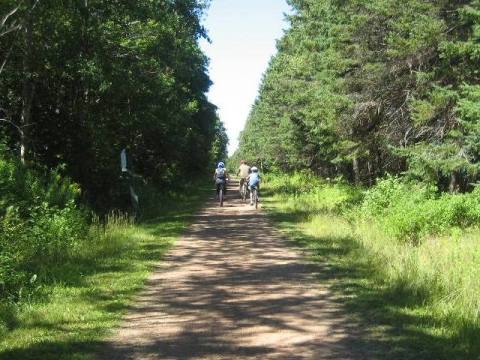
x=40, y=225
x=86, y=294
x=415, y=248
x=66, y=277
x=410, y=212
x=302, y=192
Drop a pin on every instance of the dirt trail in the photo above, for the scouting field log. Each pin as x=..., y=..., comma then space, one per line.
x=233, y=289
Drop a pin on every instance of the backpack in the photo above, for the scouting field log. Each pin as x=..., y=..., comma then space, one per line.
x=221, y=173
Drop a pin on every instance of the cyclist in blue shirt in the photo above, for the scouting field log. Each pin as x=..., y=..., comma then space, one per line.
x=221, y=177
x=254, y=182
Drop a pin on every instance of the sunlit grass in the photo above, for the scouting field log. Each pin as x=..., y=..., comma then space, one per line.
x=88, y=294
x=416, y=300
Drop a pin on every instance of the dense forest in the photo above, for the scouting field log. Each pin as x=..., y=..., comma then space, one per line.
x=82, y=80
x=359, y=89
x=79, y=82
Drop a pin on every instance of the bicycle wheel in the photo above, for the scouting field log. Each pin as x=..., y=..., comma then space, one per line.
x=255, y=198
x=244, y=193
x=220, y=196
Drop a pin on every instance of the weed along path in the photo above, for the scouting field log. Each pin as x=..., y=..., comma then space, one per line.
x=232, y=288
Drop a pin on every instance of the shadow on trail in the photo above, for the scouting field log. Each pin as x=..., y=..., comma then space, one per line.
x=78, y=273
x=389, y=316
x=232, y=275
x=233, y=278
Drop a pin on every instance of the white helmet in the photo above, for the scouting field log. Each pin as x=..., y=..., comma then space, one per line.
x=254, y=169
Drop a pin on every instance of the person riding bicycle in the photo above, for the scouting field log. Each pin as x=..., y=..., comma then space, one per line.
x=220, y=177
x=243, y=171
x=254, y=183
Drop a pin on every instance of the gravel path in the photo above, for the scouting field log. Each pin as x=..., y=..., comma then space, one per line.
x=232, y=288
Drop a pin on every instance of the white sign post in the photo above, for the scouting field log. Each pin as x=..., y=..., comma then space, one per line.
x=133, y=195
x=123, y=160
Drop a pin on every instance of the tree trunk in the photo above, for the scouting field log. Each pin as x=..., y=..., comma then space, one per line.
x=370, y=176
x=28, y=86
x=453, y=187
x=356, y=171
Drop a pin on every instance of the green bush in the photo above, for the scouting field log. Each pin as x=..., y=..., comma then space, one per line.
x=409, y=211
x=307, y=192
x=40, y=225
x=405, y=211
x=420, y=247
x=297, y=183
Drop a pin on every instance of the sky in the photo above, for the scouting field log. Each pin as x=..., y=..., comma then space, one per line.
x=243, y=36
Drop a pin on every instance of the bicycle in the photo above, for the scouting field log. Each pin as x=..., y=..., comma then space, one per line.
x=220, y=195
x=221, y=192
x=255, y=196
x=244, y=190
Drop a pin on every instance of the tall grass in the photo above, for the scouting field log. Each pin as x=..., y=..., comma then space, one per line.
x=65, y=278
x=422, y=248
x=40, y=225
x=87, y=293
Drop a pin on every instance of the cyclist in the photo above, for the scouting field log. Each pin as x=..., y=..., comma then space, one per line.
x=243, y=171
x=254, y=182
x=220, y=177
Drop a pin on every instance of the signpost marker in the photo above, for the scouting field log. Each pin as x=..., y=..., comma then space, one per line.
x=128, y=175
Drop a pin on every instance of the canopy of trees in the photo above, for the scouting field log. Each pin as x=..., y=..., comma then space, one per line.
x=82, y=79
x=361, y=88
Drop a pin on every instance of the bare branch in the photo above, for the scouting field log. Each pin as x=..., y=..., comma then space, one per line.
x=5, y=18
x=11, y=29
x=14, y=26
x=35, y=5
x=19, y=129
x=6, y=59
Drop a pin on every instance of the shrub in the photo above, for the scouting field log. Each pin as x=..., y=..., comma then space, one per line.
x=404, y=210
x=305, y=192
x=410, y=211
x=420, y=247
x=296, y=183
x=40, y=225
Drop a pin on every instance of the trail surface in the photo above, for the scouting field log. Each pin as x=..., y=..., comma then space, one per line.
x=232, y=288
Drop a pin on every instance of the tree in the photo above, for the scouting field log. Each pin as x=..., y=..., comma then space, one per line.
x=360, y=89
x=86, y=79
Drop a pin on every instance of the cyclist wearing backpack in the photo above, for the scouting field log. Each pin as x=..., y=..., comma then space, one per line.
x=221, y=177
x=254, y=183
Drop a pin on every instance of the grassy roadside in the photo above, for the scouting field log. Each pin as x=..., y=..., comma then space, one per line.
x=394, y=290
x=89, y=294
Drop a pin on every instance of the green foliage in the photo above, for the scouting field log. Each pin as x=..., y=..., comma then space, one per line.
x=219, y=146
x=40, y=225
x=79, y=82
x=423, y=295
x=297, y=183
x=385, y=194
x=85, y=79
x=405, y=211
x=410, y=212
x=88, y=292
x=306, y=191
x=361, y=89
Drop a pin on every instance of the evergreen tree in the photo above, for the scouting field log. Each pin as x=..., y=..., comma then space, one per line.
x=360, y=89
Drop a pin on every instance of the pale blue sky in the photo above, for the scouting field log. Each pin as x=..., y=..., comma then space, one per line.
x=243, y=34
